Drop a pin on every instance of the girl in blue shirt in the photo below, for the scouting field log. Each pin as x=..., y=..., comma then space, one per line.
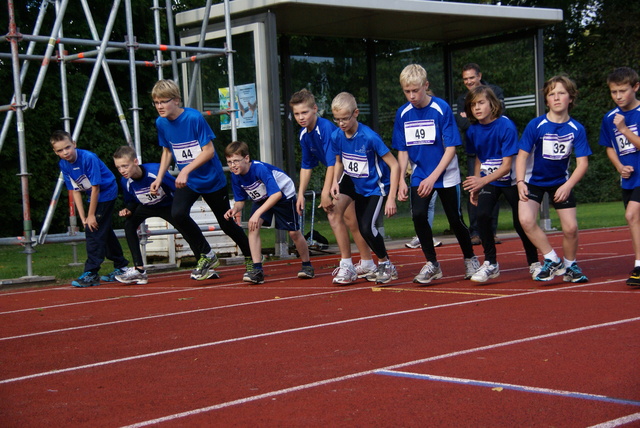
x=494, y=140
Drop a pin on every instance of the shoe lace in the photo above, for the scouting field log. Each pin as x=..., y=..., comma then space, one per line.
x=428, y=268
x=203, y=261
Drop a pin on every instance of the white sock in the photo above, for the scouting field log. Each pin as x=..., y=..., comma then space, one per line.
x=346, y=262
x=367, y=263
x=637, y=263
x=568, y=263
x=552, y=256
x=210, y=254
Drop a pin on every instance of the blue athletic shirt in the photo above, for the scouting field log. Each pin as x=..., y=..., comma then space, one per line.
x=362, y=159
x=137, y=191
x=491, y=143
x=424, y=133
x=550, y=145
x=185, y=136
x=316, y=145
x=627, y=152
x=261, y=181
x=88, y=170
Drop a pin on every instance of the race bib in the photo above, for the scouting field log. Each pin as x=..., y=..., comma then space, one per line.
x=489, y=166
x=185, y=153
x=81, y=184
x=146, y=198
x=256, y=191
x=556, y=147
x=355, y=166
x=420, y=132
x=625, y=147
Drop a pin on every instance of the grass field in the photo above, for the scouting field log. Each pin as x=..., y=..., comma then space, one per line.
x=54, y=259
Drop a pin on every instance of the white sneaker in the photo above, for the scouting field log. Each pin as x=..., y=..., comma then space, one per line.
x=344, y=274
x=535, y=269
x=414, y=243
x=487, y=271
x=132, y=275
x=471, y=266
x=428, y=272
x=385, y=273
x=362, y=271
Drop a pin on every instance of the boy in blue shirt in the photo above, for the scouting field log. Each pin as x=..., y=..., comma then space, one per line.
x=619, y=134
x=140, y=205
x=366, y=172
x=426, y=135
x=185, y=136
x=274, y=195
x=315, y=145
x=83, y=171
x=542, y=166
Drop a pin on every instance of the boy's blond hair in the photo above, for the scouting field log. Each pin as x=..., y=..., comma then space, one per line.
x=344, y=101
x=165, y=89
x=303, y=96
x=125, y=152
x=236, y=148
x=413, y=74
x=568, y=84
x=623, y=76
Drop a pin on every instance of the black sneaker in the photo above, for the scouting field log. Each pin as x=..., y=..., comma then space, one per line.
x=256, y=276
x=574, y=274
x=87, y=279
x=205, y=268
x=549, y=270
x=306, y=272
x=634, y=277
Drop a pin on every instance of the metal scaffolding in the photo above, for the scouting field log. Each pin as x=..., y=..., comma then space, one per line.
x=102, y=46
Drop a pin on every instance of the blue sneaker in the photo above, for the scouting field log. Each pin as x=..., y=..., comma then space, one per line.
x=574, y=274
x=111, y=277
x=87, y=279
x=550, y=269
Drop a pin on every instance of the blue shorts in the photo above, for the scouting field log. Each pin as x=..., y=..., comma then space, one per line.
x=285, y=213
x=536, y=193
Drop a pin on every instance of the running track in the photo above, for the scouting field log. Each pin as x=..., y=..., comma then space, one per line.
x=307, y=353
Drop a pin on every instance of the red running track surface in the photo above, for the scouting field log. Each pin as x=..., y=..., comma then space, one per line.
x=290, y=352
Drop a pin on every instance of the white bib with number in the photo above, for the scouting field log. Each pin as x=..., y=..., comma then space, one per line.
x=81, y=184
x=556, y=147
x=420, y=132
x=186, y=152
x=355, y=166
x=146, y=198
x=625, y=147
x=257, y=191
x=489, y=166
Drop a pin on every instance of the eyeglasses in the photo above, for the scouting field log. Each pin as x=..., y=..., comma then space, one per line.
x=234, y=162
x=339, y=121
x=161, y=103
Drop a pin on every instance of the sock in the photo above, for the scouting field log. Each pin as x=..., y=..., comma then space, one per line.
x=387, y=262
x=367, y=263
x=306, y=263
x=211, y=254
x=257, y=266
x=568, y=263
x=346, y=262
x=552, y=256
x=637, y=263
x=141, y=270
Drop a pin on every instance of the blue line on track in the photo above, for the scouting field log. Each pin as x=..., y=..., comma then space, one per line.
x=509, y=386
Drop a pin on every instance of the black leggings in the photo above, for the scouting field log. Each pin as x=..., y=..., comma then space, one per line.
x=368, y=208
x=450, y=198
x=218, y=201
x=487, y=200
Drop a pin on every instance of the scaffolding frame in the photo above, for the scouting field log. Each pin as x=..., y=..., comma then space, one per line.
x=98, y=57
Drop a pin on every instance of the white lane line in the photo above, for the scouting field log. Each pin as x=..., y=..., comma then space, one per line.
x=368, y=372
